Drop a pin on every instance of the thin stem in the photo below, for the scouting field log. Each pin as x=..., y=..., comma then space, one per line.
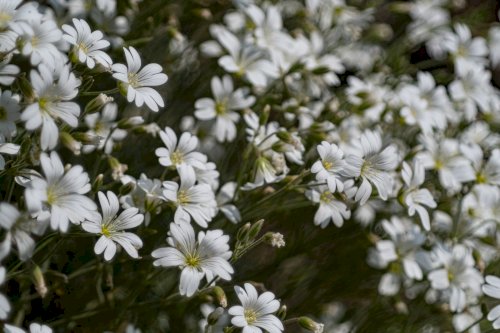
x=96, y=93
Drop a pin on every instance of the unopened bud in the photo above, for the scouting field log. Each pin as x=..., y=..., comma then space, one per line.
x=229, y=329
x=310, y=325
x=284, y=136
x=213, y=317
x=220, y=296
x=69, y=142
x=130, y=122
x=275, y=239
x=118, y=169
x=97, y=103
x=127, y=188
x=39, y=281
x=96, y=185
x=281, y=314
x=26, y=88
x=243, y=232
x=87, y=139
x=255, y=229
x=321, y=70
x=264, y=116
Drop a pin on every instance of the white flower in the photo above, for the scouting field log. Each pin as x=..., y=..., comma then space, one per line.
x=60, y=195
x=457, y=277
x=9, y=113
x=403, y=249
x=192, y=201
x=222, y=107
x=53, y=92
x=244, y=59
x=224, y=197
x=182, y=153
x=330, y=167
x=19, y=226
x=8, y=12
x=100, y=125
x=137, y=82
x=256, y=311
x=7, y=148
x=492, y=289
x=110, y=227
x=206, y=257
x=414, y=197
x=464, y=48
x=37, y=38
x=372, y=164
x=87, y=44
x=8, y=72
x=444, y=157
x=330, y=208
x=34, y=328
x=4, y=302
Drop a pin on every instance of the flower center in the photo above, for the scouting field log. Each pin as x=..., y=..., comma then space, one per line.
x=133, y=80
x=51, y=196
x=182, y=197
x=250, y=316
x=83, y=47
x=34, y=41
x=480, y=177
x=192, y=261
x=176, y=157
x=105, y=231
x=326, y=196
x=220, y=108
x=365, y=167
x=327, y=165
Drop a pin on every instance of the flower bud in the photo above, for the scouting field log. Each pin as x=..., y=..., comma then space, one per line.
x=118, y=168
x=25, y=86
x=127, y=188
x=69, y=142
x=220, y=296
x=281, y=314
x=214, y=316
x=39, y=281
x=130, y=122
x=255, y=229
x=243, y=232
x=310, y=325
x=87, y=139
x=97, y=103
x=264, y=116
x=96, y=185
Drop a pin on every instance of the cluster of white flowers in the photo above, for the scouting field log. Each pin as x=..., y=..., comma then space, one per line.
x=300, y=108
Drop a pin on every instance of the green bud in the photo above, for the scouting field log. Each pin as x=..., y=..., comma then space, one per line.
x=86, y=138
x=284, y=136
x=243, y=232
x=255, y=229
x=127, y=188
x=69, y=142
x=264, y=116
x=310, y=325
x=220, y=296
x=26, y=89
x=96, y=185
x=321, y=70
x=130, y=122
x=39, y=281
x=96, y=104
x=213, y=317
x=281, y=314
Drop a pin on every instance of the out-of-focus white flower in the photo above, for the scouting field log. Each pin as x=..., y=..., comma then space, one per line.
x=136, y=83
x=9, y=113
x=464, y=48
x=255, y=313
x=209, y=256
x=4, y=302
x=34, y=328
x=222, y=107
x=492, y=289
x=330, y=207
x=59, y=196
x=87, y=44
x=414, y=197
x=7, y=148
x=37, y=38
x=457, y=276
x=224, y=197
x=53, y=91
x=100, y=125
x=372, y=164
x=111, y=227
x=444, y=157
